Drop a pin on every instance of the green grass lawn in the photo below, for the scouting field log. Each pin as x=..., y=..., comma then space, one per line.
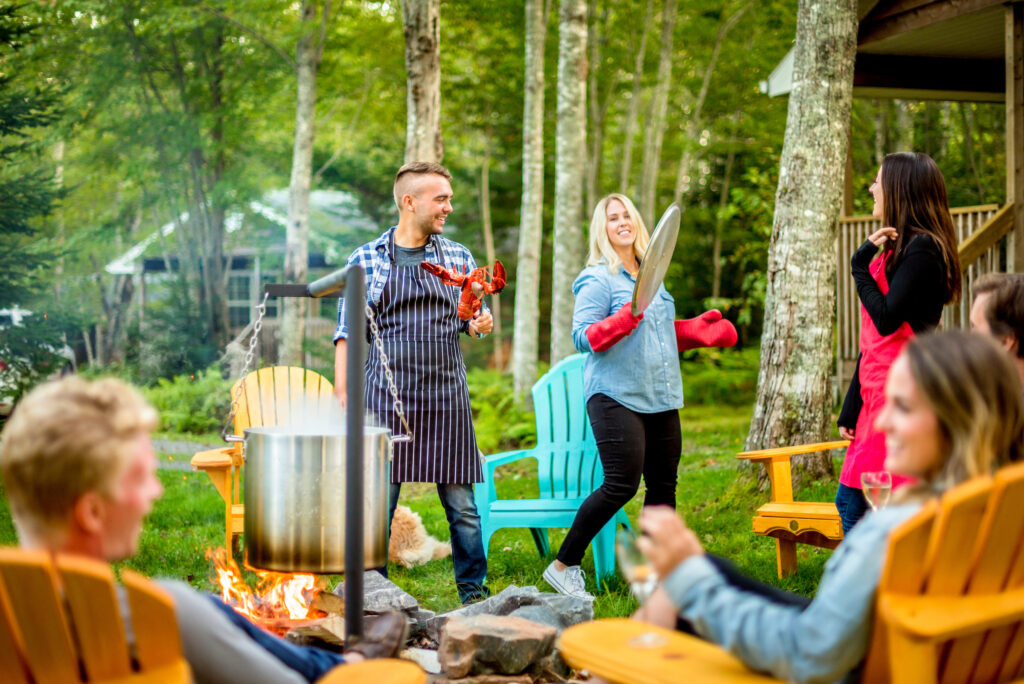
x=714, y=495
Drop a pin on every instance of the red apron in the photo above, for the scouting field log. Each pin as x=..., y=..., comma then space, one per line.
x=867, y=451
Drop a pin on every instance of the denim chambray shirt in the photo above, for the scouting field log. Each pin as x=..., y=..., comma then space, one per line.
x=824, y=642
x=641, y=371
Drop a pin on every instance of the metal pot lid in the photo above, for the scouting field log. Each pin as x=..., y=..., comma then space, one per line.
x=656, y=260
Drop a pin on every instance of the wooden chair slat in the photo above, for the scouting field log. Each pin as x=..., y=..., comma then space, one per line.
x=284, y=394
x=267, y=396
x=903, y=573
x=152, y=609
x=952, y=549
x=999, y=540
x=37, y=609
x=95, y=617
x=12, y=666
x=250, y=401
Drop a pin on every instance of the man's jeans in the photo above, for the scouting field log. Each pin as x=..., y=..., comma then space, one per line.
x=467, y=538
x=310, y=662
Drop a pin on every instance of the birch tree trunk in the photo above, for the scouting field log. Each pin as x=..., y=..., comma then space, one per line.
x=634, y=103
x=598, y=24
x=570, y=157
x=422, y=23
x=527, y=315
x=793, y=386
x=296, y=260
x=485, y=220
x=659, y=106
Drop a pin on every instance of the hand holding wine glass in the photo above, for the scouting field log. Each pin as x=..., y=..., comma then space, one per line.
x=877, y=486
x=634, y=565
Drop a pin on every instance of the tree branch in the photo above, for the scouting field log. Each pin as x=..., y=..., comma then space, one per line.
x=252, y=32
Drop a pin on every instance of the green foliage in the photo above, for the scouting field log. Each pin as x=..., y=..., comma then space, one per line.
x=197, y=403
x=27, y=187
x=31, y=353
x=500, y=424
x=720, y=377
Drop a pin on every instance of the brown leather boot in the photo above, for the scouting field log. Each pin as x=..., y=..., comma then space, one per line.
x=384, y=636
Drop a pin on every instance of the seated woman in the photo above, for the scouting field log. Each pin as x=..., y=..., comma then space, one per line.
x=952, y=411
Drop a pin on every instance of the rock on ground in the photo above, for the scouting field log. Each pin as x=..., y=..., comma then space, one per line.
x=491, y=644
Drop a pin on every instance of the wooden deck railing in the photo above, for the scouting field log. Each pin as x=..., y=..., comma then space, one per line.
x=982, y=233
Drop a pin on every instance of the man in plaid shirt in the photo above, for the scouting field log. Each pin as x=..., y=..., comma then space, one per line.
x=417, y=318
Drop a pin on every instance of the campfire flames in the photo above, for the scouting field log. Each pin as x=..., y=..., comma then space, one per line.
x=279, y=601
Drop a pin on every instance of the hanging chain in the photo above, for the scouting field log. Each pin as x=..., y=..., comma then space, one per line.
x=407, y=437
x=250, y=354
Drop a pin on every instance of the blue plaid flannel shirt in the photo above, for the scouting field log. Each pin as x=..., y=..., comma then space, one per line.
x=375, y=259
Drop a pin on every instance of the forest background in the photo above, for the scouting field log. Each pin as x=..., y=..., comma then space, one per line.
x=121, y=117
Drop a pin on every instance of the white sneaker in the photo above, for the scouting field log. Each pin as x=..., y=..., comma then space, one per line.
x=569, y=581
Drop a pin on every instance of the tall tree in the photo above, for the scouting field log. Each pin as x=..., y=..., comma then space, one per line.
x=422, y=23
x=527, y=281
x=794, y=400
x=28, y=189
x=570, y=158
x=634, y=102
x=659, y=106
x=308, y=53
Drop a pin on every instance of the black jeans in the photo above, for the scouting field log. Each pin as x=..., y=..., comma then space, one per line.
x=629, y=444
x=736, y=578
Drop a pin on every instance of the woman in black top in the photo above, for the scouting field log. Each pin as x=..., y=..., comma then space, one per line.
x=902, y=289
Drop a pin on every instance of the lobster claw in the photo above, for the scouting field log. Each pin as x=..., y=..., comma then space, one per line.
x=446, y=276
x=498, y=281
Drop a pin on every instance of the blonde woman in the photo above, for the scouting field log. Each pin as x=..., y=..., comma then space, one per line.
x=631, y=379
x=952, y=411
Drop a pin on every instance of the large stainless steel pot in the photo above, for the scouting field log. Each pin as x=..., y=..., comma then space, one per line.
x=295, y=499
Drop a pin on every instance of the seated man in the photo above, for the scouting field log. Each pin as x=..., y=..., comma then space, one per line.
x=998, y=311
x=80, y=474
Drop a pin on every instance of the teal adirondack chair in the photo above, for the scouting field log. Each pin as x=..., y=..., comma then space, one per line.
x=568, y=469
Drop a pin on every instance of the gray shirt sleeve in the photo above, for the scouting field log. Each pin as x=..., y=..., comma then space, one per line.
x=218, y=651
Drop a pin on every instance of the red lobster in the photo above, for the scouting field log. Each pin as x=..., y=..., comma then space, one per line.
x=474, y=284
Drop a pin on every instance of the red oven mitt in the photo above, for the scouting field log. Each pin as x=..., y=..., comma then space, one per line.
x=604, y=334
x=707, y=330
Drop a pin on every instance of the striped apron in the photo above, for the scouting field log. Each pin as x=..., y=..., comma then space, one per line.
x=419, y=326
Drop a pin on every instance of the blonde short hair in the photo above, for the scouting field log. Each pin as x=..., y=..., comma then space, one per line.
x=67, y=438
x=600, y=247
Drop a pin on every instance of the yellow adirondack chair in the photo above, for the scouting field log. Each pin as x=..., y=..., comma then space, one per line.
x=57, y=615
x=950, y=605
x=270, y=396
x=792, y=522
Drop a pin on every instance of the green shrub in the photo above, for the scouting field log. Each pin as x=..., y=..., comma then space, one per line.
x=500, y=423
x=196, y=404
x=716, y=377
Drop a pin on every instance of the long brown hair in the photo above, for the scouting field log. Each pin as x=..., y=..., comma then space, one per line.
x=914, y=201
x=974, y=390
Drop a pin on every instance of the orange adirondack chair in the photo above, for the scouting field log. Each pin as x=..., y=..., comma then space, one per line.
x=59, y=614
x=270, y=396
x=792, y=522
x=950, y=605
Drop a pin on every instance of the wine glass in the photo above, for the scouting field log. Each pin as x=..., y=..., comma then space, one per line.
x=877, y=486
x=642, y=580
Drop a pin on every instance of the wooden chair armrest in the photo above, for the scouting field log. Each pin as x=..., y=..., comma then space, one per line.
x=784, y=453
x=221, y=457
x=613, y=649
x=390, y=670
x=939, y=618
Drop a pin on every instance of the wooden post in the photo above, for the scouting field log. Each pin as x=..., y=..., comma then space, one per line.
x=1015, y=129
